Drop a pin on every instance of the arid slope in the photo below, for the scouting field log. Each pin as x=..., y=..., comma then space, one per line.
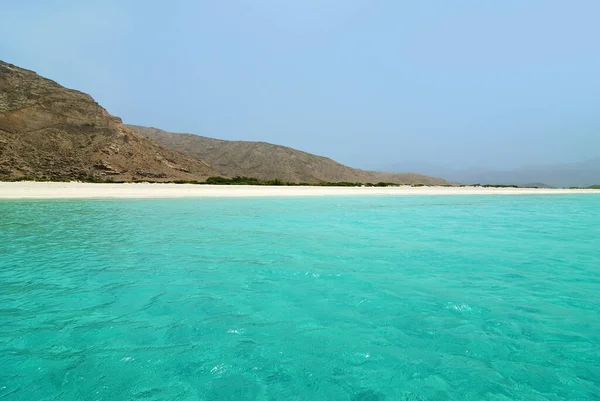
x=267, y=161
x=51, y=132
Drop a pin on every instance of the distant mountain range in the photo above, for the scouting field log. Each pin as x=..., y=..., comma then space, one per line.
x=583, y=174
x=51, y=132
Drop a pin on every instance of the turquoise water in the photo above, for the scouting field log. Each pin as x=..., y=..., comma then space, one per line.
x=362, y=299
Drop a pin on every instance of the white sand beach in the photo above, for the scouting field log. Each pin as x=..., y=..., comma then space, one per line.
x=65, y=190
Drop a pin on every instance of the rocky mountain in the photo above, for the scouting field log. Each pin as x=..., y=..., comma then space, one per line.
x=51, y=132
x=267, y=161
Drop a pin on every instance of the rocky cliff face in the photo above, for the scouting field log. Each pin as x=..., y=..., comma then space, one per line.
x=48, y=131
x=268, y=162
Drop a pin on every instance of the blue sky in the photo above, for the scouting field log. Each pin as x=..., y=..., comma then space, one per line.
x=367, y=82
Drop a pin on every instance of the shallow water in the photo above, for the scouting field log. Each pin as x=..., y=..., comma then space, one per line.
x=362, y=299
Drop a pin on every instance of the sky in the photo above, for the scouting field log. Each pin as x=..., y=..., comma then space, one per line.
x=369, y=83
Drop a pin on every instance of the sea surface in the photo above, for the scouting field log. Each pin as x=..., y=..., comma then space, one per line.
x=334, y=298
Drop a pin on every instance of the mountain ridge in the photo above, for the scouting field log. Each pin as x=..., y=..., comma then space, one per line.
x=267, y=161
x=50, y=132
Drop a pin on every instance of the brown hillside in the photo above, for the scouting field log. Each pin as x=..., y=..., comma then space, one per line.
x=48, y=131
x=266, y=161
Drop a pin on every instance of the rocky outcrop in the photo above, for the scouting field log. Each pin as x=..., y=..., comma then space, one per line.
x=51, y=132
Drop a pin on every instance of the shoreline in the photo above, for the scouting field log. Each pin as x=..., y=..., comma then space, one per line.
x=79, y=190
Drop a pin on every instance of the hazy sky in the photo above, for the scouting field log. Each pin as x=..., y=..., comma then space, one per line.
x=366, y=82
